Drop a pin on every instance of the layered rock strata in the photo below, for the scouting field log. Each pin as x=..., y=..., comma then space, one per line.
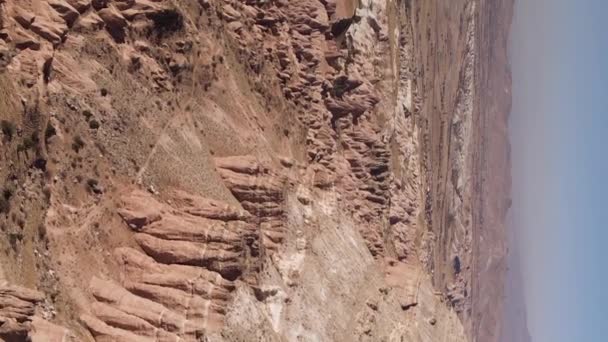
x=20, y=317
x=223, y=170
x=260, y=192
x=178, y=289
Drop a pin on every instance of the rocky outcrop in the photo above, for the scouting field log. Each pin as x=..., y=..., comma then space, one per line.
x=19, y=319
x=260, y=192
x=179, y=288
x=316, y=69
x=17, y=308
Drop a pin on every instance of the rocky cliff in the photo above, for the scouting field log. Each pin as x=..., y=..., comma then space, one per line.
x=253, y=170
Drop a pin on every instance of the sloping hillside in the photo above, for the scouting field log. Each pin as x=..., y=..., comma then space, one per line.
x=248, y=170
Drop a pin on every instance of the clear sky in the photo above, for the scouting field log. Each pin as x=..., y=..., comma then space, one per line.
x=559, y=136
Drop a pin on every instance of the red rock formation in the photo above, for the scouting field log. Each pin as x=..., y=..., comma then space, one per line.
x=17, y=308
x=19, y=320
x=260, y=192
x=180, y=287
x=335, y=101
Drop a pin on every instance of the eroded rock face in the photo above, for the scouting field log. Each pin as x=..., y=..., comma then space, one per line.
x=179, y=288
x=260, y=192
x=20, y=317
x=17, y=310
x=325, y=69
x=222, y=170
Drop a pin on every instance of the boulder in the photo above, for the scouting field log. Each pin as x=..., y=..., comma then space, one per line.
x=51, y=31
x=68, y=13
x=80, y=5
x=115, y=22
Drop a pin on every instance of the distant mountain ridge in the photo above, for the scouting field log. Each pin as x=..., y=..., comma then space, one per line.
x=515, y=327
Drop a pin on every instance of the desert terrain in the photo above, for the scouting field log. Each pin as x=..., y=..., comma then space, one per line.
x=253, y=170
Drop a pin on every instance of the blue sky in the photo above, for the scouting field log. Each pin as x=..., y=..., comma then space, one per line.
x=559, y=128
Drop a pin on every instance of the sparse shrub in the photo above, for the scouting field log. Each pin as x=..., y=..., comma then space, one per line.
x=46, y=191
x=49, y=131
x=8, y=191
x=94, y=124
x=93, y=186
x=87, y=114
x=42, y=231
x=8, y=129
x=92, y=183
x=5, y=205
x=40, y=164
x=167, y=22
x=77, y=143
x=28, y=143
x=457, y=265
x=14, y=238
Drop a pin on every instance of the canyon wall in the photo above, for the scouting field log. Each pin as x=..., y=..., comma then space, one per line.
x=253, y=170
